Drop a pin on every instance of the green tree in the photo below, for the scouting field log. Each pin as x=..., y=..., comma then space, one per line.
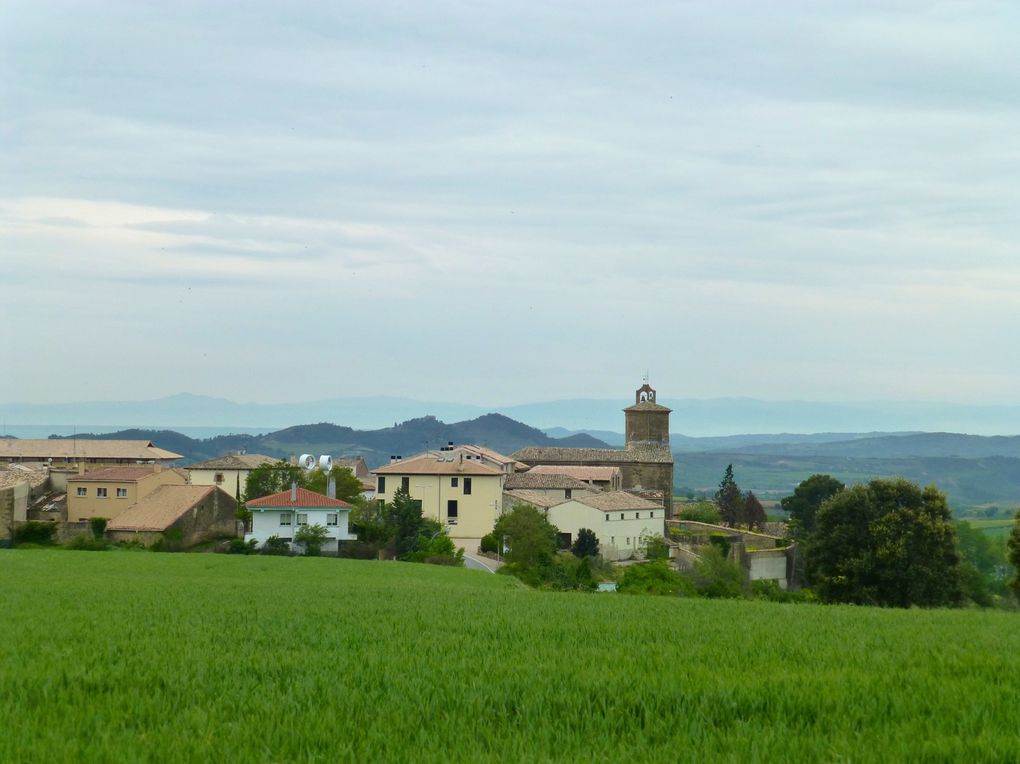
x=655, y=578
x=531, y=537
x=886, y=543
x=311, y=537
x=807, y=497
x=754, y=512
x=98, y=527
x=983, y=565
x=348, y=487
x=404, y=521
x=729, y=499
x=654, y=546
x=586, y=544
x=267, y=479
x=716, y=576
x=702, y=512
x=1013, y=545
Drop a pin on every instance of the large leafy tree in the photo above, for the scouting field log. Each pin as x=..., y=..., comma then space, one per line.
x=730, y=500
x=531, y=537
x=807, y=497
x=1013, y=546
x=268, y=479
x=886, y=543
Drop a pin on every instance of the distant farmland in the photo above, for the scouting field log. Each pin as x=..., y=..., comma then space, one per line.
x=121, y=656
x=967, y=482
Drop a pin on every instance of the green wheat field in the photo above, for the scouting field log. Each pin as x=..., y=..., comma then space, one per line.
x=139, y=657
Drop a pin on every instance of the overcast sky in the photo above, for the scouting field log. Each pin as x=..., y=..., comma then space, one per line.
x=498, y=202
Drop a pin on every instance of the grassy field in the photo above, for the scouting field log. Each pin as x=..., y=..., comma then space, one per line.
x=998, y=527
x=134, y=657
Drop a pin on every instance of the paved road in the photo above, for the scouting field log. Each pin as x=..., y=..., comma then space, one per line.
x=475, y=563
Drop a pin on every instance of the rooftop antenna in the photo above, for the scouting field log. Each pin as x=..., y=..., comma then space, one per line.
x=646, y=376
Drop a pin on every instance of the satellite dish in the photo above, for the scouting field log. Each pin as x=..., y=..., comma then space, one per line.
x=306, y=461
x=325, y=462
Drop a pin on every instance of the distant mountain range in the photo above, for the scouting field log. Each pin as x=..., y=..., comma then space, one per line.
x=692, y=417
x=376, y=446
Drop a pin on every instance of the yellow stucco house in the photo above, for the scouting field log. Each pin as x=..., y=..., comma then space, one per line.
x=460, y=489
x=111, y=491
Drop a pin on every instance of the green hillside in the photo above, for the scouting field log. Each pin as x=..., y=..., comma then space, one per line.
x=411, y=437
x=125, y=656
x=967, y=482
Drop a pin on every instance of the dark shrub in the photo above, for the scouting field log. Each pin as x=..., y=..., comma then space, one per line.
x=35, y=532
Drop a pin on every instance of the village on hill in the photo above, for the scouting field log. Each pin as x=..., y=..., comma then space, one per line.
x=459, y=503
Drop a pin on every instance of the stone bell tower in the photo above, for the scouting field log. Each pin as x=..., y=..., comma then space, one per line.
x=646, y=421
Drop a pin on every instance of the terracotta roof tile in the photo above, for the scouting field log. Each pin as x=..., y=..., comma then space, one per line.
x=305, y=499
x=617, y=500
x=643, y=452
x=536, y=498
x=161, y=508
x=430, y=464
x=127, y=473
x=544, y=480
x=82, y=448
x=599, y=474
x=234, y=462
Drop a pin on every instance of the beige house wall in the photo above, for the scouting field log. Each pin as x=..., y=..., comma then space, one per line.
x=229, y=482
x=90, y=505
x=477, y=511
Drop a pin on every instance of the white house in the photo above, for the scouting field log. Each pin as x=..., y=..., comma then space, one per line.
x=619, y=520
x=284, y=513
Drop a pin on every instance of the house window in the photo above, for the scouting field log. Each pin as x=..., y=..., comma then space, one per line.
x=451, y=511
x=302, y=518
x=381, y=484
x=83, y=491
x=100, y=493
x=637, y=515
x=454, y=482
x=286, y=518
x=332, y=518
x=567, y=492
x=607, y=516
x=621, y=515
x=405, y=484
x=122, y=493
x=467, y=486
x=218, y=478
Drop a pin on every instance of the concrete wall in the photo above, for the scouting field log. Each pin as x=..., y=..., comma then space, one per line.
x=767, y=565
x=476, y=512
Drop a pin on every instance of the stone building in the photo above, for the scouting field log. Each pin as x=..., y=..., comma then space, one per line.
x=645, y=463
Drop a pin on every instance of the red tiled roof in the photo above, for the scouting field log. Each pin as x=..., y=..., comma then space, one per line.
x=305, y=499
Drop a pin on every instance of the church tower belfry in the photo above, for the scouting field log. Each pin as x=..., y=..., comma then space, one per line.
x=646, y=420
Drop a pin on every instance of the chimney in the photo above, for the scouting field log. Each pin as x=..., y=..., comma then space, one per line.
x=81, y=468
x=331, y=488
x=293, y=492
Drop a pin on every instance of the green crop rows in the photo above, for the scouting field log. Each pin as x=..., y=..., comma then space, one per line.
x=123, y=657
